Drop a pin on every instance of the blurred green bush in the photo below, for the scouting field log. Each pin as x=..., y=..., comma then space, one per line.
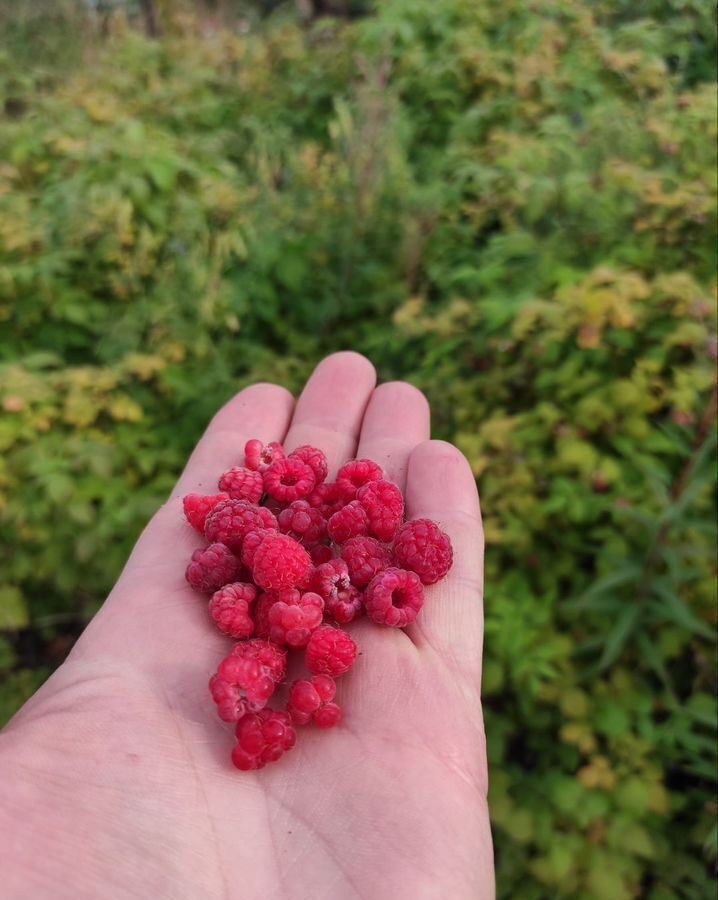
x=512, y=205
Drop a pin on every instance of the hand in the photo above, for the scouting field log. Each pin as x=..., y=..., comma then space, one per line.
x=116, y=776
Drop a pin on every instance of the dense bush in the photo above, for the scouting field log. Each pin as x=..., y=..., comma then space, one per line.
x=512, y=205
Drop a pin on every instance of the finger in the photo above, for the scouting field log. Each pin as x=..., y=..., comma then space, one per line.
x=331, y=407
x=152, y=610
x=396, y=420
x=440, y=486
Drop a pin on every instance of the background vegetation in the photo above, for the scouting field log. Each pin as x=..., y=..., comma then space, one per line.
x=510, y=204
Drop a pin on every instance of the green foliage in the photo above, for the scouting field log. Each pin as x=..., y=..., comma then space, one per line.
x=512, y=206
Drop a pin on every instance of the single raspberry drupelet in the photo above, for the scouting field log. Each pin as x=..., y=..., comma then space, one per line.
x=292, y=620
x=280, y=562
x=262, y=738
x=231, y=520
x=348, y=522
x=258, y=457
x=212, y=567
x=422, y=547
x=394, y=597
x=330, y=651
x=302, y=522
x=365, y=557
x=315, y=459
x=384, y=506
x=242, y=484
x=311, y=701
x=198, y=506
x=342, y=600
x=356, y=474
x=288, y=479
x=246, y=679
x=229, y=607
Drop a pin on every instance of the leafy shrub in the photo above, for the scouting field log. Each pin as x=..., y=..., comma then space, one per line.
x=514, y=207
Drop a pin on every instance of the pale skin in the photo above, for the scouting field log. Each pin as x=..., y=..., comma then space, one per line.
x=116, y=776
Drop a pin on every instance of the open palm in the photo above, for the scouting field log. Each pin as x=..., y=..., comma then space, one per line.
x=116, y=779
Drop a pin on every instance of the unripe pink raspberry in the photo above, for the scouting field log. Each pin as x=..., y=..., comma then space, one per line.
x=212, y=567
x=384, y=506
x=394, y=597
x=292, y=621
x=348, y=522
x=229, y=607
x=262, y=738
x=365, y=557
x=422, y=547
x=198, y=506
x=280, y=562
x=330, y=651
x=311, y=701
x=315, y=459
x=300, y=521
x=355, y=474
x=231, y=520
x=242, y=484
x=288, y=479
x=257, y=456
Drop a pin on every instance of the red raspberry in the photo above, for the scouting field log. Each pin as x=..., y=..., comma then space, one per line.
x=365, y=557
x=258, y=457
x=242, y=484
x=231, y=520
x=212, y=567
x=422, y=547
x=341, y=599
x=394, y=597
x=310, y=701
x=293, y=619
x=229, y=607
x=326, y=498
x=300, y=521
x=246, y=679
x=348, y=522
x=280, y=562
x=320, y=553
x=330, y=651
x=315, y=459
x=262, y=738
x=355, y=474
x=384, y=506
x=288, y=479
x=198, y=506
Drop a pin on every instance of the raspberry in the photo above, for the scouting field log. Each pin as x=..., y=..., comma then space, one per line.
x=280, y=562
x=242, y=484
x=264, y=603
x=326, y=498
x=246, y=679
x=300, y=521
x=315, y=459
x=262, y=738
x=394, y=597
x=384, y=506
x=365, y=557
x=422, y=547
x=198, y=506
x=355, y=474
x=229, y=607
x=320, y=553
x=252, y=540
x=292, y=620
x=258, y=457
x=348, y=522
x=341, y=599
x=231, y=520
x=212, y=567
x=288, y=479
x=330, y=651
x=310, y=701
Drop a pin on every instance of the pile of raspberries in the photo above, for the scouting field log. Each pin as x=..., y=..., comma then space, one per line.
x=290, y=559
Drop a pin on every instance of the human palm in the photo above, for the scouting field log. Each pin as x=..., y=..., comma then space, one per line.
x=117, y=780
